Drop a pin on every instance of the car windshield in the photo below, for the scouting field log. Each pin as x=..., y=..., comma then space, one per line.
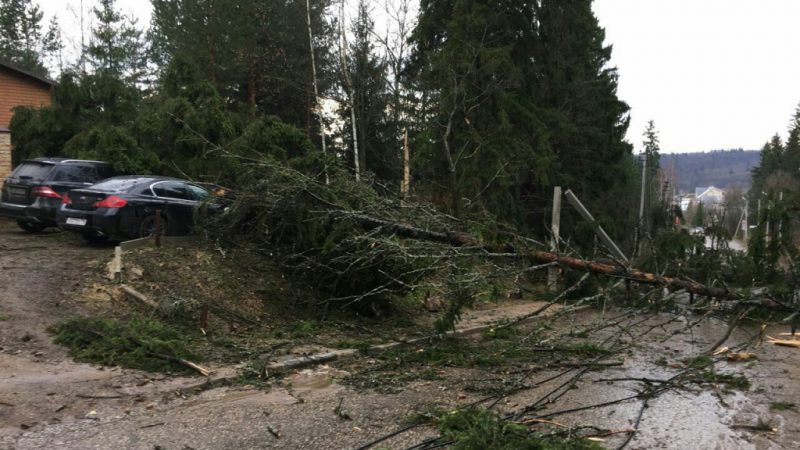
x=116, y=185
x=33, y=170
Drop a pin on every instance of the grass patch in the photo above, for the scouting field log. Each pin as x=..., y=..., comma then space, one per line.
x=476, y=429
x=587, y=349
x=500, y=333
x=303, y=328
x=699, y=362
x=3, y=317
x=138, y=344
x=427, y=416
x=782, y=406
x=731, y=380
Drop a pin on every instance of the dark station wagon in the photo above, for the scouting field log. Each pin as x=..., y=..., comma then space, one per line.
x=32, y=193
x=125, y=207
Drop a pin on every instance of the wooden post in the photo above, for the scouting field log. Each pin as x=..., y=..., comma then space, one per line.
x=779, y=225
x=597, y=228
x=157, y=228
x=552, y=272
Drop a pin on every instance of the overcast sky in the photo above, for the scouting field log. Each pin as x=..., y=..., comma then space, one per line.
x=711, y=73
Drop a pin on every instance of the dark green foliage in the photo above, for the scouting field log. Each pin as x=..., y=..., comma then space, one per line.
x=39, y=132
x=112, y=144
x=699, y=217
x=116, y=48
x=734, y=381
x=499, y=135
x=478, y=429
x=773, y=244
x=310, y=227
x=92, y=113
x=256, y=54
x=21, y=40
x=138, y=344
x=670, y=250
x=368, y=95
x=782, y=406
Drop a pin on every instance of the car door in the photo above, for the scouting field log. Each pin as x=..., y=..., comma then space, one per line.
x=179, y=203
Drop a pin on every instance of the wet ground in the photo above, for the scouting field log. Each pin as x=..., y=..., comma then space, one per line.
x=47, y=401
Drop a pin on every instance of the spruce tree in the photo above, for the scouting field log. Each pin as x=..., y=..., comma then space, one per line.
x=378, y=151
x=21, y=39
x=517, y=97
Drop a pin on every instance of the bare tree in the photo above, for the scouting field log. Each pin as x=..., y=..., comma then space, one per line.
x=350, y=91
x=316, y=88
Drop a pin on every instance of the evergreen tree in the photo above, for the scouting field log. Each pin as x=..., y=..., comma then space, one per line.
x=792, y=151
x=117, y=48
x=378, y=152
x=21, y=40
x=255, y=53
x=521, y=97
x=656, y=207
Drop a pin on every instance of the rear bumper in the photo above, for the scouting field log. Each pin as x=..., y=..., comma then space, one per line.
x=43, y=211
x=12, y=211
x=100, y=222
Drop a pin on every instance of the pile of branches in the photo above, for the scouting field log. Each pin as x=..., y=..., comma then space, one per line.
x=359, y=248
x=350, y=243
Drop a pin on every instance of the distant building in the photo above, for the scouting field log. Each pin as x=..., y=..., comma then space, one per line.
x=18, y=87
x=710, y=195
x=687, y=200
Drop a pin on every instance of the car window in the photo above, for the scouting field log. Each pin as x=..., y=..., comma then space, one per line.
x=172, y=189
x=116, y=185
x=33, y=170
x=75, y=173
x=197, y=192
x=104, y=172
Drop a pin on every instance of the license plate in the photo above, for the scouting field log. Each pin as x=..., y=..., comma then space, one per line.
x=16, y=191
x=75, y=221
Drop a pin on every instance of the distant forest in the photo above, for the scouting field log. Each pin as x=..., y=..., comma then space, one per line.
x=720, y=168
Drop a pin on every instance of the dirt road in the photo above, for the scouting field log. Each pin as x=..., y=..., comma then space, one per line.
x=47, y=401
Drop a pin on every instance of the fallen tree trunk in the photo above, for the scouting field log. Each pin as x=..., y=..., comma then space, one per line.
x=458, y=239
x=638, y=276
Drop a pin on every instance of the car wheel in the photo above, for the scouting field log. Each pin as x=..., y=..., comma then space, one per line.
x=31, y=227
x=147, y=227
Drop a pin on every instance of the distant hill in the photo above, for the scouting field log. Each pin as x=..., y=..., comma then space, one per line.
x=720, y=168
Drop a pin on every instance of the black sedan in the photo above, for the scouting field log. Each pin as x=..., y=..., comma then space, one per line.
x=125, y=207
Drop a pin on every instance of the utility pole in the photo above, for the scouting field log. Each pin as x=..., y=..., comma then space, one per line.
x=552, y=272
x=640, y=227
x=746, y=221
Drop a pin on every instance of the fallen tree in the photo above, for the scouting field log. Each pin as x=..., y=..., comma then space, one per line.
x=460, y=239
x=359, y=248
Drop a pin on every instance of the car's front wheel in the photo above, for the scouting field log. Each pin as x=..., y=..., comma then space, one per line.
x=31, y=227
